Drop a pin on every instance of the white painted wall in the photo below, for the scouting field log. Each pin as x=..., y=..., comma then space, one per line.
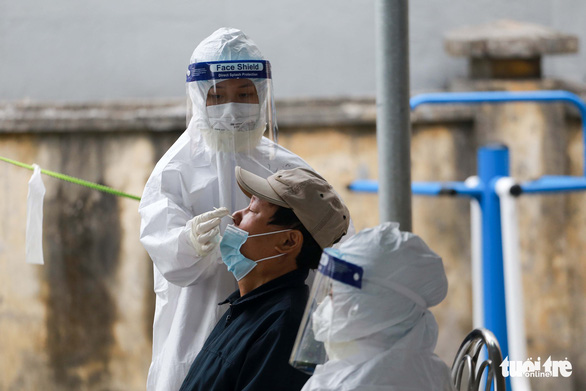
x=69, y=50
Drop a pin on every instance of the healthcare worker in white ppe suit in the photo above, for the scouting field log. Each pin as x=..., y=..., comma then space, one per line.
x=367, y=325
x=187, y=199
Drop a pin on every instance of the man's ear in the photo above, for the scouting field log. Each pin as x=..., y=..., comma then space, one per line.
x=292, y=241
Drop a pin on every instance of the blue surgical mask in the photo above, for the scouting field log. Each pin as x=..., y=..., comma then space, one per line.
x=230, y=244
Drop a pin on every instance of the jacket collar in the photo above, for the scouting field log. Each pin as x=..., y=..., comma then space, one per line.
x=295, y=278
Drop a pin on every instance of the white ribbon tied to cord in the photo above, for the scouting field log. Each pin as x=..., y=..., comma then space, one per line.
x=34, y=218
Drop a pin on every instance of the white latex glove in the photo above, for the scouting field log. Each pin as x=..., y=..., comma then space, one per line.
x=205, y=230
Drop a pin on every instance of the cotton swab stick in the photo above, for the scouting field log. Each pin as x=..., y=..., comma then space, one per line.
x=228, y=215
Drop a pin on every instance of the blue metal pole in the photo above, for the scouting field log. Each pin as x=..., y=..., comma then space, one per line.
x=493, y=163
x=422, y=188
x=553, y=184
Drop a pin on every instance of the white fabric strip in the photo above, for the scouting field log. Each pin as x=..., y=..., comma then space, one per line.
x=34, y=218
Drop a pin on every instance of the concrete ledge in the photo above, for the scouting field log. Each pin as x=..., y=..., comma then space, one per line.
x=508, y=39
x=37, y=117
x=169, y=115
x=301, y=113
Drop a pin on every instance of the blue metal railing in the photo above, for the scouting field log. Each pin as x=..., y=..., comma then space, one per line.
x=545, y=184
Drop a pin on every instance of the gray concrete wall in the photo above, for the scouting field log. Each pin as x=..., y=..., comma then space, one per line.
x=83, y=320
x=75, y=51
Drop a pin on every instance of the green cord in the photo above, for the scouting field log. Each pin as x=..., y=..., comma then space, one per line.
x=71, y=179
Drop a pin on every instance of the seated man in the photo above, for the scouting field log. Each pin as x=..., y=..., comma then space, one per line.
x=369, y=310
x=292, y=216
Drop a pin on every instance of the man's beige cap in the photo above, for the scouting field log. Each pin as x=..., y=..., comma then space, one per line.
x=312, y=199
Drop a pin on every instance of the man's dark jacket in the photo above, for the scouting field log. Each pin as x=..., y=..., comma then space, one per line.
x=250, y=346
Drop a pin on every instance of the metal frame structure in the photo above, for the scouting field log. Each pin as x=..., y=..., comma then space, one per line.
x=467, y=359
x=493, y=166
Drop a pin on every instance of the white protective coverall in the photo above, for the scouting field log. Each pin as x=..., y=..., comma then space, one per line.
x=195, y=175
x=382, y=337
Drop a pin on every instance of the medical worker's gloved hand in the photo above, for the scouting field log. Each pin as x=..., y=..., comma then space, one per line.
x=205, y=230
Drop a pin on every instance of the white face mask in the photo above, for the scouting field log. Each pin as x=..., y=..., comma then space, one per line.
x=341, y=350
x=323, y=328
x=234, y=116
x=333, y=316
x=322, y=319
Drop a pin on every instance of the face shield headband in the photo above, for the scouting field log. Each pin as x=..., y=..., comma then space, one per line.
x=340, y=270
x=214, y=70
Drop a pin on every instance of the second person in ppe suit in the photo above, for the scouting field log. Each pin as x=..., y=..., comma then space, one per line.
x=192, y=189
x=366, y=325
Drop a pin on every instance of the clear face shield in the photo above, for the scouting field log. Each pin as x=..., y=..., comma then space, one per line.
x=231, y=103
x=335, y=281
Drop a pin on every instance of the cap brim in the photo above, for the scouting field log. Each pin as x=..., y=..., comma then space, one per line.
x=252, y=184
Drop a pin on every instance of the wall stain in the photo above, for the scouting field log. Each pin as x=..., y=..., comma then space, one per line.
x=82, y=244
